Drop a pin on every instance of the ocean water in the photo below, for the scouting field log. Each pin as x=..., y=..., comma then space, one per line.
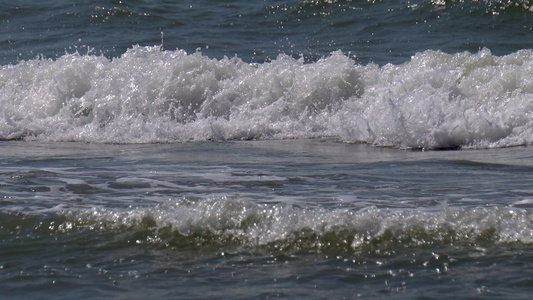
x=266, y=149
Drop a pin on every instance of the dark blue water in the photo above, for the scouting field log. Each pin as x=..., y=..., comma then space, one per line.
x=378, y=31
x=266, y=149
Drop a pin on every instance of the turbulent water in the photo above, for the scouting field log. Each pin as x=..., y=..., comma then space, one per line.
x=435, y=100
x=263, y=149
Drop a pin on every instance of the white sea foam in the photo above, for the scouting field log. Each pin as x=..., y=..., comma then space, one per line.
x=436, y=100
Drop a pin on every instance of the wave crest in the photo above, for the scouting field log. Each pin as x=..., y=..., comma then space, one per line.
x=436, y=100
x=279, y=227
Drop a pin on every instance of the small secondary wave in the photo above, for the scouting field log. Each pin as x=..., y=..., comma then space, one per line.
x=246, y=226
x=436, y=100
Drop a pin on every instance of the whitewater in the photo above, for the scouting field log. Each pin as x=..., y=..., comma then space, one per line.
x=433, y=101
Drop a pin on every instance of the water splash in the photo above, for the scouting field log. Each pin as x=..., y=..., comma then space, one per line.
x=436, y=100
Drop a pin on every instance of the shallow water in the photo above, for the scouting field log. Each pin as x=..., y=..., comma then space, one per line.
x=292, y=218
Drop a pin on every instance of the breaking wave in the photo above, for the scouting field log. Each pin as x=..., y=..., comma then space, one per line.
x=436, y=100
x=245, y=226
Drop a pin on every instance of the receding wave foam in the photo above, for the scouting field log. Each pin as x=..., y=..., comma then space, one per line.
x=436, y=100
x=284, y=227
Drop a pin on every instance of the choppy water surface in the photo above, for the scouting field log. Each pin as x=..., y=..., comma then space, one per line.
x=258, y=30
x=265, y=149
